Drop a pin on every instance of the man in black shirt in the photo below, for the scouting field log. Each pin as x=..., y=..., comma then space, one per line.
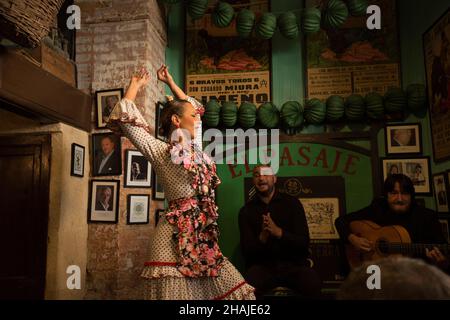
x=275, y=239
x=398, y=207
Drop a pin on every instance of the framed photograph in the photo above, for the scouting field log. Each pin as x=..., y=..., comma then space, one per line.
x=417, y=169
x=158, y=191
x=436, y=52
x=159, y=108
x=105, y=102
x=158, y=213
x=138, y=208
x=77, y=160
x=138, y=171
x=403, y=138
x=445, y=231
x=104, y=201
x=440, y=192
x=107, y=155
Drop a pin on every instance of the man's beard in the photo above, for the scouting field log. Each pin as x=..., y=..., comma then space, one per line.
x=265, y=193
x=402, y=203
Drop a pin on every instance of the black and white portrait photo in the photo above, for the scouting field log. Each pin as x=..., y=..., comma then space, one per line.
x=138, y=171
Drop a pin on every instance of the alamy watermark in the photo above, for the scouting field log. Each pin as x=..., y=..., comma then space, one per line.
x=230, y=148
x=374, y=280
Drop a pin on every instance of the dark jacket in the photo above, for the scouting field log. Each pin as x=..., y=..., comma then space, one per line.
x=287, y=213
x=111, y=166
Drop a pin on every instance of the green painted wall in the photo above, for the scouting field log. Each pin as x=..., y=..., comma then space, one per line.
x=288, y=83
x=231, y=191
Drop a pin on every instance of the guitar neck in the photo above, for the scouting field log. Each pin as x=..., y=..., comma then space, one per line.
x=415, y=249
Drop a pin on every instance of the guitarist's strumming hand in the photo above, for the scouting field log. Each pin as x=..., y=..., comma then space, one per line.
x=360, y=243
x=436, y=257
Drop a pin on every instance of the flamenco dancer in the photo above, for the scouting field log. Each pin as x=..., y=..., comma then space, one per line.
x=185, y=260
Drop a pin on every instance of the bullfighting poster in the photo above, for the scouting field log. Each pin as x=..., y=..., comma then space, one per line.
x=220, y=64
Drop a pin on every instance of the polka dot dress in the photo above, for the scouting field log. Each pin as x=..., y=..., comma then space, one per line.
x=163, y=280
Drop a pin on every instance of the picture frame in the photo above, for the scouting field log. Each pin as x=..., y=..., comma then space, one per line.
x=435, y=56
x=77, y=160
x=105, y=100
x=158, y=110
x=103, y=201
x=106, y=154
x=440, y=187
x=157, y=190
x=158, y=213
x=417, y=169
x=403, y=138
x=138, y=208
x=137, y=170
x=445, y=230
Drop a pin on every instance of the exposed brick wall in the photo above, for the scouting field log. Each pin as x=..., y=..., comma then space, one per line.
x=116, y=38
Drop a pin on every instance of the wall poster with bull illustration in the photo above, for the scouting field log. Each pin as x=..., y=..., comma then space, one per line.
x=220, y=64
x=353, y=59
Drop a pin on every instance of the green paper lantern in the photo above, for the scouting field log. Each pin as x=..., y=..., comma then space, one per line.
x=268, y=115
x=311, y=18
x=197, y=8
x=223, y=14
x=287, y=23
x=335, y=14
x=245, y=21
x=266, y=26
x=292, y=114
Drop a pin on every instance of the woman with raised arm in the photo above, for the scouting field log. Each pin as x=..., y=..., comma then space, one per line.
x=185, y=259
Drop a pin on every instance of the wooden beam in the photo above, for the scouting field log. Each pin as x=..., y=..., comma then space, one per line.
x=24, y=83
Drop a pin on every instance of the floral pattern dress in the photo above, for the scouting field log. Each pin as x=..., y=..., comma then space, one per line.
x=185, y=261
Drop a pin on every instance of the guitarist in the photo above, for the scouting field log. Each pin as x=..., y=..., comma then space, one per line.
x=398, y=207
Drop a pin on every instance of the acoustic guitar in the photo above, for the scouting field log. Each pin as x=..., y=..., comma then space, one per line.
x=388, y=241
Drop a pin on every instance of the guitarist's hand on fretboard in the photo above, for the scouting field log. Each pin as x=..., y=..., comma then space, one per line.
x=360, y=243
x=436, y=257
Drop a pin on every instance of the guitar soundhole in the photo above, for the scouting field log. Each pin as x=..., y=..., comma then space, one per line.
x=383, y=246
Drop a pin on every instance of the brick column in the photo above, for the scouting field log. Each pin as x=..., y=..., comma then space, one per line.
x=116, y=38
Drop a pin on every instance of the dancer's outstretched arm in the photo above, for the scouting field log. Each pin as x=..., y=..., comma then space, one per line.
x=165, y=76
x=137, y=82
x=126, y=119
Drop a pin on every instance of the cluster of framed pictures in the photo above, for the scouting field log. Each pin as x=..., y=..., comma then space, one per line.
x=404, y=148
x=107, y=161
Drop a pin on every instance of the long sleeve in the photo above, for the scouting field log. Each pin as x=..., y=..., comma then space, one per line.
x=432, y=228
x=127, y=120
x=298, y=237
x=252, y=248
